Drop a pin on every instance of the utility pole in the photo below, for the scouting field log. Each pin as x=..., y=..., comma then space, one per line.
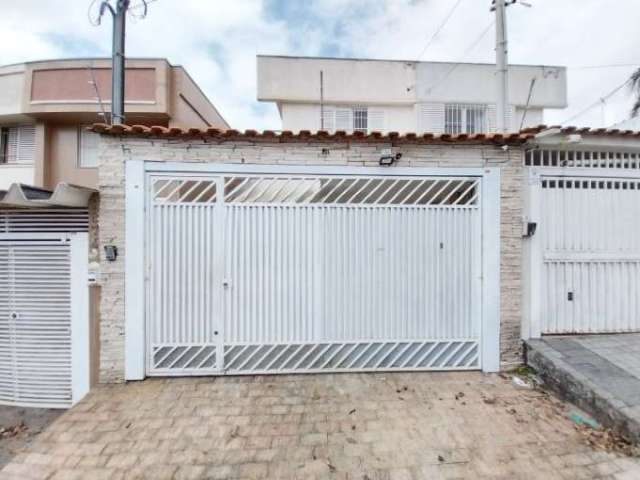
x=502, y=60
x=119, y=15
x=502, y=66
x=117, y=72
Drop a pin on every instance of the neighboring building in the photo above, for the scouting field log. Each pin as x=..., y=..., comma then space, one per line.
x=632, y=123
x=44, y=107
x=404, y=96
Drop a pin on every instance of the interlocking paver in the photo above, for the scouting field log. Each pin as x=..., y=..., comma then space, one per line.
x=350, y=426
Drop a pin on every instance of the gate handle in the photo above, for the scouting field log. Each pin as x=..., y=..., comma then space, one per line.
x=14, y=315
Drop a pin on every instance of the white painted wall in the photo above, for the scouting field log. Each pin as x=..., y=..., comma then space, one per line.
x=16, y=174
x=412, y=94
x=306, y=116
x=297, y=79
x=475, y=83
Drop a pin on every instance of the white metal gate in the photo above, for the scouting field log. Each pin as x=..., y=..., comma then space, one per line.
x=273, y=272
x=44, y=331
x=585, y=255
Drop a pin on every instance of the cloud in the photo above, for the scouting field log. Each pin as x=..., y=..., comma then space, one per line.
x=217, y=41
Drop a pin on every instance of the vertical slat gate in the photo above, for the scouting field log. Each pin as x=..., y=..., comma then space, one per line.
x=314, y=273
x=590, y=277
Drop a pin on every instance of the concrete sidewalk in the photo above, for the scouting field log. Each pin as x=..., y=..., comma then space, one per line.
x=599, y=373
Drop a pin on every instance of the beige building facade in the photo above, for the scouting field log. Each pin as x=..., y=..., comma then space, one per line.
x=45, y=107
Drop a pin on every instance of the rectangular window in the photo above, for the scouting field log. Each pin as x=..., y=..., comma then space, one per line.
x=360, y=119
x=465, y=119
x=17, y=144
x=87, y=148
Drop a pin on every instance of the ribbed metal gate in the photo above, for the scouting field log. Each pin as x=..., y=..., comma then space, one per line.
x=586, y=252
x=272, y=273
x=43, y=319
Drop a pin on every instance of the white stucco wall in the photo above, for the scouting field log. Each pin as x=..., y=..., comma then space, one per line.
x=475, y=83
x=306, y=116
x=297, y=79
x=389, y=82
x=16, y=174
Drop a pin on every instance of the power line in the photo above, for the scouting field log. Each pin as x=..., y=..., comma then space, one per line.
x=439, y=29
x=612, y=65
x=471, y=47
x=598, y=102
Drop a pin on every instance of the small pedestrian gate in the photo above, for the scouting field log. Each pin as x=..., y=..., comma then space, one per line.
x=584, y=258
x=266, y=270
x=44, y=330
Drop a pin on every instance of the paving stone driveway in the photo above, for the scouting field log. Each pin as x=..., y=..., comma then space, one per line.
x=356, y=426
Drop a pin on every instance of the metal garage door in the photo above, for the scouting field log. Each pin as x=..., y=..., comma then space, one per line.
x=287, y=272
x=587, y=253
x=43, y=331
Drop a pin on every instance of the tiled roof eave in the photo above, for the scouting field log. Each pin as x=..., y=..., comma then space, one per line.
x=305, y=136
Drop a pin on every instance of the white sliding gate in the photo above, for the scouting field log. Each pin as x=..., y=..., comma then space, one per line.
x=584, y=258
x=44, y=328
x=267, y=270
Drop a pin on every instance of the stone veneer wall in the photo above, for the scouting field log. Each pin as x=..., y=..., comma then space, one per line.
x=115, y=150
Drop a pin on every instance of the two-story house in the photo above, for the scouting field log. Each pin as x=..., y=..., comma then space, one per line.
x=404, y=96
x=44, y=107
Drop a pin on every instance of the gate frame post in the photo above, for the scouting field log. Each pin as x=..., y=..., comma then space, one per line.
x=532, y=271
x=134, y=261
x=80, y=355
x=490, y=328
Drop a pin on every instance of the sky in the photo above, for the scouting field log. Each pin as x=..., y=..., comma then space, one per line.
x=217, y=42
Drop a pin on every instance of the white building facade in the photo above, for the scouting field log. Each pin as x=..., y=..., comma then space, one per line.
x=404, y=96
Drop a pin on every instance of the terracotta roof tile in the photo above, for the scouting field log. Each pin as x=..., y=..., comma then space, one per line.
x=306, y=135
x=609, y=132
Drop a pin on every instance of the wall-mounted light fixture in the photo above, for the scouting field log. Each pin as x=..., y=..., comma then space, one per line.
x=111, y=252
x=388, y=158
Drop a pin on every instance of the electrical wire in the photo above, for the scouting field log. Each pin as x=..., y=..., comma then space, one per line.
x=613, y=65
x=93, y=22
x=597, y=102
x=439, y=29
x=473, y=45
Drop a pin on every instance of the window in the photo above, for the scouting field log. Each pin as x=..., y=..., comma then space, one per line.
x=360, y=119
x=87, y=148
x=353, y=119
x=465, y=119
x=17, y=144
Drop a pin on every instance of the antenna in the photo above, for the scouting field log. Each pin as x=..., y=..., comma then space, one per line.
x=118, y=14
x=321, y=100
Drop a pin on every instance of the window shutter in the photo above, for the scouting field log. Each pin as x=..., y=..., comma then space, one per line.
x=492, y=118
x=329, y=119
x=511, y=119
x=12, y=145
x=26, y=148
x=88, y=148
x=344, y=119
x=376, y=119
x=430, y=117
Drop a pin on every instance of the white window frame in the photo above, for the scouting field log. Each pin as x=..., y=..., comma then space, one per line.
x=360, y=119
x=465, y=114
x=18, y=158
x=83, y=134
